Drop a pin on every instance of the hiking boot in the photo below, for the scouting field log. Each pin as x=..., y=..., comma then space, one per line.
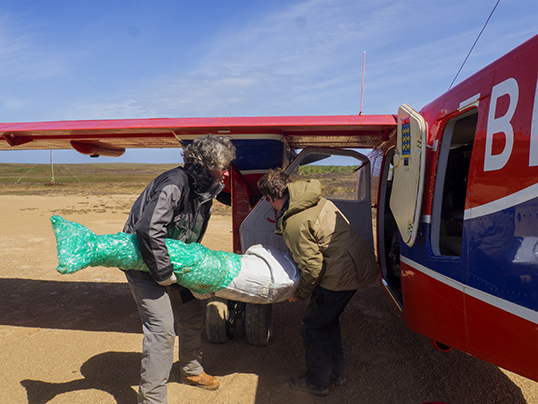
x=203, y=380
x=338, y=380
x=300, y=383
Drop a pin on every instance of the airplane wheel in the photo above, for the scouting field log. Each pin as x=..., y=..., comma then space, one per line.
x=219, y=320
x=258, y=323
x=440, y=346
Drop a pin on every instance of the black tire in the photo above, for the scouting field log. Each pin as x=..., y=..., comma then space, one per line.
x=219, y=321
x=258, y=323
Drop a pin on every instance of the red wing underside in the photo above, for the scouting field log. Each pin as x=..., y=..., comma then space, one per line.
x=349, y=131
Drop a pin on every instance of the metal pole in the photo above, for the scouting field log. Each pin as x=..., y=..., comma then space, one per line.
x=51, y=169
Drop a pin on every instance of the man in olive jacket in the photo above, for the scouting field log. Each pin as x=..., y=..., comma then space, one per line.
x=334, y=262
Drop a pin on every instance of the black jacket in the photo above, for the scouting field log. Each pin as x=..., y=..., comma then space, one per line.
x=177, y=204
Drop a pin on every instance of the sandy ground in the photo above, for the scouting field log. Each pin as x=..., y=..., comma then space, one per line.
x=77, y=338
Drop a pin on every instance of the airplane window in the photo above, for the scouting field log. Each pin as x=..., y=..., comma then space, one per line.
x=338, y=176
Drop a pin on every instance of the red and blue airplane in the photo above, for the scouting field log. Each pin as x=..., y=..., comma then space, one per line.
x=450, y=197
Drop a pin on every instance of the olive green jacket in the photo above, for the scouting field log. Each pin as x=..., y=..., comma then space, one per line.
x=323, y=244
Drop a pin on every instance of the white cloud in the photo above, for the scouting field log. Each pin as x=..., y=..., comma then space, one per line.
x=302, y=58
x=289, y=62
x=23, y=56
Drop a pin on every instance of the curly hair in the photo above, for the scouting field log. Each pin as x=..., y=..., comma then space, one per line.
x=212, y=152
x=274, y=184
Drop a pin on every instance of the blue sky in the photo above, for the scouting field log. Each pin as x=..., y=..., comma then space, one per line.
x=112, y=59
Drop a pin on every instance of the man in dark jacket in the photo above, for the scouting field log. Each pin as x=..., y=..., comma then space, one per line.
x=177, y=205
x=334, y=262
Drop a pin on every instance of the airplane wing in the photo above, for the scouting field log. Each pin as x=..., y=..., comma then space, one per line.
x=112, y=137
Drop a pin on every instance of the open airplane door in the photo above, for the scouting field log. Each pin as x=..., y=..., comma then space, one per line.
x=409, y=165
x=259, y=226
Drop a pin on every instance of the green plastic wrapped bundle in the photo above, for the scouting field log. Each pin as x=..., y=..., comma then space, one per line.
x=196, y=267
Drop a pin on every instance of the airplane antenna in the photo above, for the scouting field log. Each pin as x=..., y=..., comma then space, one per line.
x=483, y=28
x=362, y=85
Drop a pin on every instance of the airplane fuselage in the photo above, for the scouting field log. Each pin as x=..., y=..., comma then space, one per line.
x=470, y=278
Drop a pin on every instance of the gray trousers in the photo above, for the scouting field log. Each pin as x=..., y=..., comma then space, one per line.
x=158, y=307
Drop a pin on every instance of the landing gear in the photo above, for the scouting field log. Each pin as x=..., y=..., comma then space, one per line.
x=258, y=323
x=440, y=346
x=222, y=316
x=220, y=320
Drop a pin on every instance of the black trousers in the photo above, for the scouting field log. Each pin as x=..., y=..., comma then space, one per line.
x=324, y=354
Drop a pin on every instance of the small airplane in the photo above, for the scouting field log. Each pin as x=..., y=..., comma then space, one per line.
x=447, y=198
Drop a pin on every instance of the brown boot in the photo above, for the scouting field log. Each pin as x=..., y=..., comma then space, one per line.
x=203, y=380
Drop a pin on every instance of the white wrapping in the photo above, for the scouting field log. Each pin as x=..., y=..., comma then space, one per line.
x=267, y=276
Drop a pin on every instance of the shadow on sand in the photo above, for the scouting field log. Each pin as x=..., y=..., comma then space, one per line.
x=386, y=363
x=112, y=372
x=85, y=306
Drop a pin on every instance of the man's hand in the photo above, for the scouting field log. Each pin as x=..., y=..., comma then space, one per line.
x=293, y=299
x=169, y=281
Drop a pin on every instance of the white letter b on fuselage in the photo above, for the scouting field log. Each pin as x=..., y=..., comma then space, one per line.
x=500, y=125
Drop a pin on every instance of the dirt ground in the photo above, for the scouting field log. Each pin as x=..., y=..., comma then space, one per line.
x=77, y=338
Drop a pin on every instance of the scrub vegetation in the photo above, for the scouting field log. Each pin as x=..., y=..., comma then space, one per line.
x=125, y=178
x=338, y=182
x=96, y=178
x=313, y=169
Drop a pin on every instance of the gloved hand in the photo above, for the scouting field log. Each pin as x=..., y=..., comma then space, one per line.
x=169, y=281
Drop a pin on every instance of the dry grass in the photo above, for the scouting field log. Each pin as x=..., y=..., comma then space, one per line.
x=77, y=179
x=130, y=179
x=84, y=179
x=340, y=185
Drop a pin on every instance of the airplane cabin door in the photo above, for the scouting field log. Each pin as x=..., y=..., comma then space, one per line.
x=260, y=224
x=409, y=166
